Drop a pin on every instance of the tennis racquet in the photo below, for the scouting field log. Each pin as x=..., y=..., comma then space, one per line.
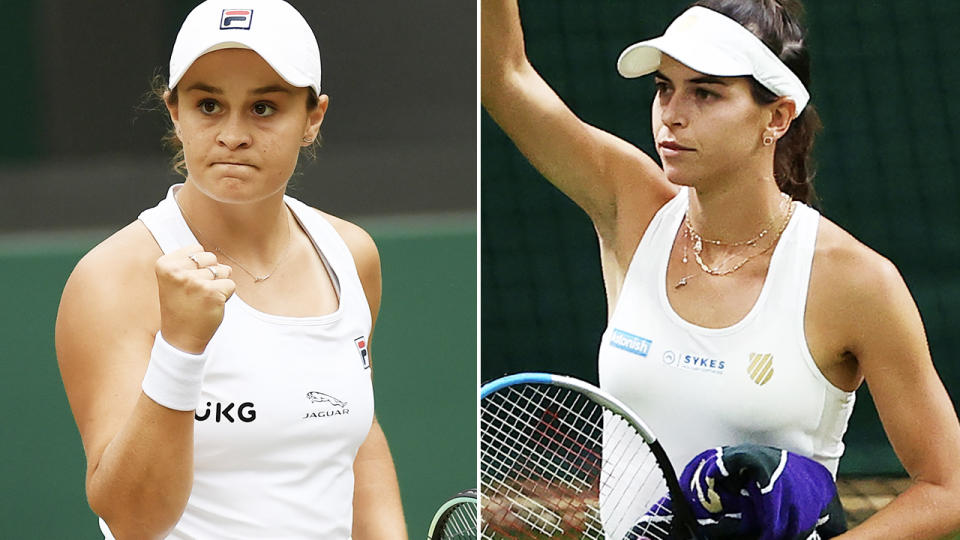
x=561, y=458
x=456, y=519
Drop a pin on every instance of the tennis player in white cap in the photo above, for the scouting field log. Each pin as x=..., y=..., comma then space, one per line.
x=736, y=312
x=215, y=352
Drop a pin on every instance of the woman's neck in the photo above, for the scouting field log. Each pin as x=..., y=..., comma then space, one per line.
x=255, y=233
x=736, y=211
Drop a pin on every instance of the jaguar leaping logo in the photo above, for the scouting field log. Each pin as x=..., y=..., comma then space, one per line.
x=320, y=397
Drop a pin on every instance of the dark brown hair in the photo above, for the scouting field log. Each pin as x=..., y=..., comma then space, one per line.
x=158, y=99
x=778, y=25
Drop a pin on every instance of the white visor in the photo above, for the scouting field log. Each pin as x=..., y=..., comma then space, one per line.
x=271, y=28
x=717, y=45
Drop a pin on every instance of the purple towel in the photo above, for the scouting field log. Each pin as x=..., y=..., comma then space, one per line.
x=758, y=492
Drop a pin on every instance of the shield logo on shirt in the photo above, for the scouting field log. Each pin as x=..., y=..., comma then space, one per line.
x=760, y=368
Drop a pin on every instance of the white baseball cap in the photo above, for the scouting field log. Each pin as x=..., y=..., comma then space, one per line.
x=717, y=45
x=272, y=28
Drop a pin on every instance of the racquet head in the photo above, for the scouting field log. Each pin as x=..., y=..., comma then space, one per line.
x=456, y=519
x=561, y=458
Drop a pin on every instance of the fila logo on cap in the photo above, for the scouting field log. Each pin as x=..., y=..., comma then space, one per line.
x=236, y=19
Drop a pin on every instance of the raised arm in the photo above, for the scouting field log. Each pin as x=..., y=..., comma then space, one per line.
x=139, y=453
x=602, y=173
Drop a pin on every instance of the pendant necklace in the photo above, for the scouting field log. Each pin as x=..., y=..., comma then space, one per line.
x=256, y=278
x=698, y=240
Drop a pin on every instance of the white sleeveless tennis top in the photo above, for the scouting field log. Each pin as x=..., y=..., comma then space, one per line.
x=286, y=403
x=753, y=382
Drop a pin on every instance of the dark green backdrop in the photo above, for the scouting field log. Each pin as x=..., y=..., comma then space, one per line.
x=885, y=74
x=425, y=375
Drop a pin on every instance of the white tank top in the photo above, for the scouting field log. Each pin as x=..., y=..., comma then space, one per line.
x=286, y=403
x=752, y=382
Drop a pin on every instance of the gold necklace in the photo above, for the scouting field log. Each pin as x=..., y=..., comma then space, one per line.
x=256, y=278
x=698, y=240
x=784, y=198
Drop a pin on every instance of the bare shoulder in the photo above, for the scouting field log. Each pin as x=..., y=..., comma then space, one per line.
x=126, y=256
x=857, y=299
x=131, y=246
x=848, y=270
x=360, y=243
x=857, y=305
x=115, y=279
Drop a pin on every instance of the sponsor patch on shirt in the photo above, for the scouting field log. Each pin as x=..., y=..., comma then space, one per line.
x=760, y=368
x=628, y=342
x=362, y=348
x=329, y=406
x=694, y=362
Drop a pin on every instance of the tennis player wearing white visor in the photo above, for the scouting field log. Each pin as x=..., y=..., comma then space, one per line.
x=737, y=313
x=215, y=351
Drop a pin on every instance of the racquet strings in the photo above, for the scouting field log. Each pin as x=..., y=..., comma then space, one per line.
x=555, y=464
x=460, y=522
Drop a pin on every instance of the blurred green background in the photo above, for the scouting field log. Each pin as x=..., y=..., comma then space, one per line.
x=80, y=156
x=884, y=72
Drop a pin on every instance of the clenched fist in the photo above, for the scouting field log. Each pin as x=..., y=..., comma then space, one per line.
x=194, y=287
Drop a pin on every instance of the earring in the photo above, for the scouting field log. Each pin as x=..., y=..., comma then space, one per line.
x=306, y=140
x=768, y=140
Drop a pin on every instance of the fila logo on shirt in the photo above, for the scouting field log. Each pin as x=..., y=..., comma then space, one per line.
x=760, y=368
x=362, y=347
x=236, y=19
x=330, y=406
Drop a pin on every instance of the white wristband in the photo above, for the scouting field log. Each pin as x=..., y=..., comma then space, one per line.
x=174, y=377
